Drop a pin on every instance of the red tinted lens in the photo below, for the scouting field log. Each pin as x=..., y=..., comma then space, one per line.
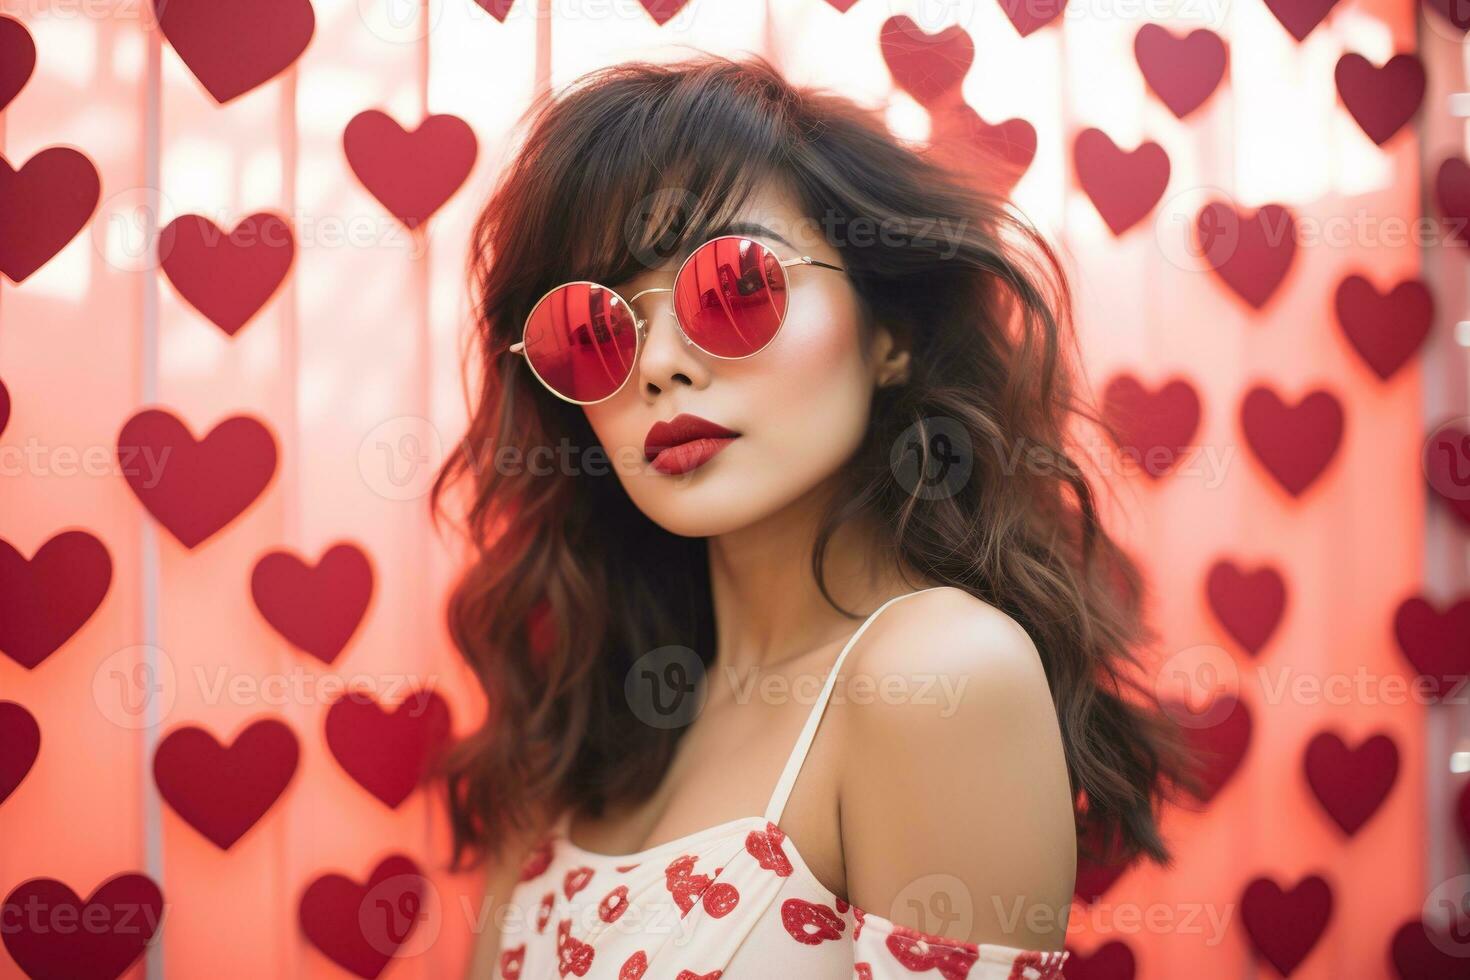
x=730, y=296
x=581, y=339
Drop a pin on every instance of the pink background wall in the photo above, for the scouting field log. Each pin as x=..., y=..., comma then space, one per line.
x=352, y=366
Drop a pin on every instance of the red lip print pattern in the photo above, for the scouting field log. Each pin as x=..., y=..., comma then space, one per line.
x=920, y=951
x=811, y=923
x=691, y=975
x=634, y=967
x=537, y=861
x=862, y=971
x=1032, y=965
x=683, y=884
x=765, y=847
x=511, y=962
x=720, y=898
x=572, y=955
x=860, y=916
x=543, y=912
x=613, y=904
x=576, y=880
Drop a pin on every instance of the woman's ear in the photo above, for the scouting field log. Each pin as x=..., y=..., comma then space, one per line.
x=891, y=363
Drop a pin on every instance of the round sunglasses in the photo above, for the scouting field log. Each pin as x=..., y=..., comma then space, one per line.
x=582, y=339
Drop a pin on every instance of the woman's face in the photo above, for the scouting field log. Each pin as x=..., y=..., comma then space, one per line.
x=800, y=406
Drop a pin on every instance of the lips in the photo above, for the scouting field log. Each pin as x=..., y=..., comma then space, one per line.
x=684, y=442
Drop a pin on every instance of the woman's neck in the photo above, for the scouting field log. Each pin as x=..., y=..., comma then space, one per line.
x=768, y=606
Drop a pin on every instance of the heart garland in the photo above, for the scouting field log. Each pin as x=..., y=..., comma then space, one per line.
x=1124, y=185
x=1154, y=428
x=1351, y=783
x=20, y=744
x=1283, y=925
x=388, y=753
x=44, y=601
x=17, y=58
x=361, y=926
x=1386, y=329
x=1381, y=99
x=42, y=207
x=233, y=47
x=412, y=173
x=223, y=791
x=1248, y=604
x=195, y=487
x=228, y=278
x=122, y=915
x=1433, y=641
x=1293, y=442
x=1182, y=71
x=1250, y=253
x=318, y=607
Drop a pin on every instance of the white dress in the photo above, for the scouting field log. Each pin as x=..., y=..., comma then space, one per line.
x=730, y=902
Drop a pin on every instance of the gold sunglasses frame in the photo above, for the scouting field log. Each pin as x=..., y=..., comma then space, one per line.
x=640, y=323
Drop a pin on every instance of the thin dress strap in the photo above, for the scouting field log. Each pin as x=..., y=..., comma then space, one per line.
x=809, y=731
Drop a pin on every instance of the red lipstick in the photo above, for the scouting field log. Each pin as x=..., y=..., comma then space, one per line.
x=684, y=443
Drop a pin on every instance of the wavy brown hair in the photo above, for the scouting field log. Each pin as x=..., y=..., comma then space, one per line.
x=570, y=582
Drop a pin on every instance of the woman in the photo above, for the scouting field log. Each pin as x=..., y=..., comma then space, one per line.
x=805, y=651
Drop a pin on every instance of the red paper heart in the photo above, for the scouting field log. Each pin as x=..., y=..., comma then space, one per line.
x=195, y=488
x=1098, y=865
x=1452, y=193
x=1028, y=16
x=317, y=608
x=224, y=791
x=995, y=156
x=47, y=599
x=1219, y=737
x=1182, y=71
x=228, y=278
x=388, y=754
x=17, y=58
x=42, y=207
x=1111, y=961
x=361, y=927
x=233, y=47
x=1300, y=17
x=1446, y=459
x=662, y=11
x=929, y=67
x=1421, y=952
x=121, y=917
x=4, y=406
x=1462, y=814
x=1385, y=330
x=1293, y=442
x=411, y=173
x=1383, y=99
x=1453, y=12
x=1154, y=428
x=1248, y=604
x=20, y=743
x=1251, y=256
x=1434, y=642
x=499, y=9
x=1283, y=926
x=1124, y=185
x=1351, y=784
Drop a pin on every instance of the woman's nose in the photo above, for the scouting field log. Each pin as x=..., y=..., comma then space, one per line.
x=668, y=358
